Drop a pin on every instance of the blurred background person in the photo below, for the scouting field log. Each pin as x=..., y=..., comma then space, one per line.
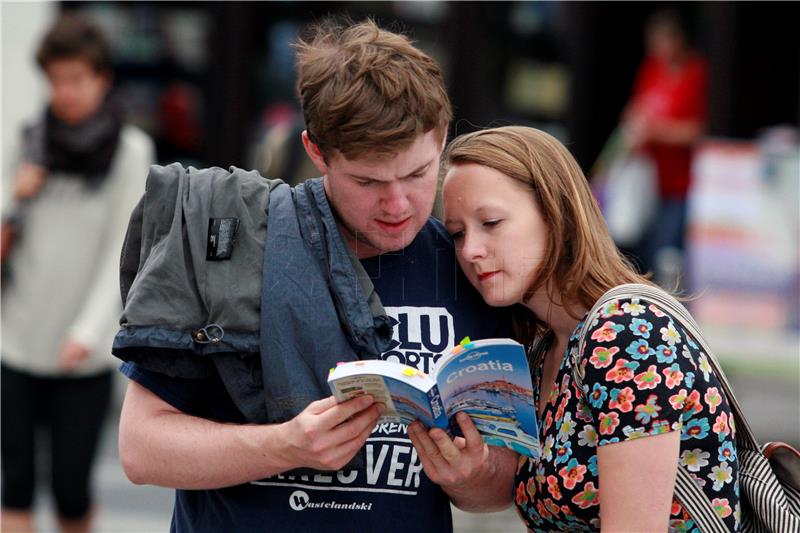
x=665, y=117
x=78, y=173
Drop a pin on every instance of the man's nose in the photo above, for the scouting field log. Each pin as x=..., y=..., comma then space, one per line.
x=395, y=199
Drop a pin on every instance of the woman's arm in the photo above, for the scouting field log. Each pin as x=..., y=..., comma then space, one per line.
x=637, y=480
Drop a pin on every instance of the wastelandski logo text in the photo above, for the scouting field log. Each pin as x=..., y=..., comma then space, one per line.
x=300, y=501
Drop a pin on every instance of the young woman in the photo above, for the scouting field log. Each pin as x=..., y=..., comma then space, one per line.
x=529, y=233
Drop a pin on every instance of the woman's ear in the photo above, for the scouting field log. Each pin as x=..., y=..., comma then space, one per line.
x=314, y=153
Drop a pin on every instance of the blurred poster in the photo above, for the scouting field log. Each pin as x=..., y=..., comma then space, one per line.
x=743, y=251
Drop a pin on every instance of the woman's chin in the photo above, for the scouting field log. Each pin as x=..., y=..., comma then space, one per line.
x=495, y=299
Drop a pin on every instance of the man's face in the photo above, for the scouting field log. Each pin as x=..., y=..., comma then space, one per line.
x=76, y=89
x=383, y=203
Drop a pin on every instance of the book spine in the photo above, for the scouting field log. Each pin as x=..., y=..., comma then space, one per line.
x=437, y=409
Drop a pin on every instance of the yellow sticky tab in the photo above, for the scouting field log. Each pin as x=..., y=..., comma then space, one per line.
x=465, y=341
x=410, y=372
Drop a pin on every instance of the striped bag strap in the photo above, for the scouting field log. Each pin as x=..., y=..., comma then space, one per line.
x=696, y=503
x=691, y=496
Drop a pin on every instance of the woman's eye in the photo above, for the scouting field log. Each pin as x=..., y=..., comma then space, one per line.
x=457, y=235
x=490, y=223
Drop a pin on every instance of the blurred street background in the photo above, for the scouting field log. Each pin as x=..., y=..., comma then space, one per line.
x=212, y=83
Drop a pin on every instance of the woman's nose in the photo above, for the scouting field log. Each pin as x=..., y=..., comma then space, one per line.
x=474, y=247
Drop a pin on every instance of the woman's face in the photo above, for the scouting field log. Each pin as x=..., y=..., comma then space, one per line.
x=499, y=233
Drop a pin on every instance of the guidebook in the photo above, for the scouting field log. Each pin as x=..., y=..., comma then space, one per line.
x=489, y=379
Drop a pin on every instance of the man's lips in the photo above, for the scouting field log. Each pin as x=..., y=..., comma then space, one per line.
x=393, y=226
x=487, y=275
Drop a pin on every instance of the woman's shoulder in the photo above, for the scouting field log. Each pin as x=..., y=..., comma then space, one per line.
x=641, y=331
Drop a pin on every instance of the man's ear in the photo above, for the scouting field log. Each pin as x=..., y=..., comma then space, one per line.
x=314, y=153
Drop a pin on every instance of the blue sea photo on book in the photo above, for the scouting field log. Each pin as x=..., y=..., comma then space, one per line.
x=491, y=381
x=488, y=379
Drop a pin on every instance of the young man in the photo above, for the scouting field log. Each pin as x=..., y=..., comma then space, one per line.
x=376, y=114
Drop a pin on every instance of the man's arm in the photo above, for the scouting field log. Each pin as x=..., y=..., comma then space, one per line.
x=161, y=445
x=477, y=477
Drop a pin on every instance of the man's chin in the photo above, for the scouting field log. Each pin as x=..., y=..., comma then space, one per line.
x=383, y=244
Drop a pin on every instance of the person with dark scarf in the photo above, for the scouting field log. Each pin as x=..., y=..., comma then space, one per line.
x=79, y=175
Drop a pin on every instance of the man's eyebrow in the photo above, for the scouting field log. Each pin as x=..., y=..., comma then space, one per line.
x=417, y=170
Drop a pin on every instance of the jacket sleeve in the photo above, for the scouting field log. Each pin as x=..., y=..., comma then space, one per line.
x=102, y=305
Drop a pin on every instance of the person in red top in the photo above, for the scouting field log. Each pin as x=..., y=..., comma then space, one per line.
x=665, y=117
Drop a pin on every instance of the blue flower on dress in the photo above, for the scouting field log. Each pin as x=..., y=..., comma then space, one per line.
x=612, y=440
x=592, y=466
x=697, y=429
x=640, y=349
x=563, y=452
x=598, y=395
x=641, y=328
x=689, y=379
x=665, y=354
x=727, y=452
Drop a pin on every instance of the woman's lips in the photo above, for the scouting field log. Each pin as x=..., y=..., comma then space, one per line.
x=394, y=227
x=487, y=275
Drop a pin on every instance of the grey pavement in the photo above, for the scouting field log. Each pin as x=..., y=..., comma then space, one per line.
x=771, y=403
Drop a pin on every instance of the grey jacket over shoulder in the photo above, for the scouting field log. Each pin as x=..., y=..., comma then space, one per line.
x=226, y=268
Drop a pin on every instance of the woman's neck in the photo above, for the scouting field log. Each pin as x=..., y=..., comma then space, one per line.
x=554, y=314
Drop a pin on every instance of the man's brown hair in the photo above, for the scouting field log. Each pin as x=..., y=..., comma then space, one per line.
x=73, y=37
x=364, y=89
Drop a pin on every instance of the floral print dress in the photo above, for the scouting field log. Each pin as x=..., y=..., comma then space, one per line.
x=644, y=375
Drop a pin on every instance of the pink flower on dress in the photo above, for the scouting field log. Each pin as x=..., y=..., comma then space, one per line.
x=722, y=507
x=588, y=497
x=553, y=488
x=522, y=498
x=713, y=399
x=608, y=423
x=572, y=474
x=602, y=356
x=692, y=402
x=674, y=376
x=649, y=379
x=607, y=332
x=721, y=425
x=622, y=371
x=622, y=399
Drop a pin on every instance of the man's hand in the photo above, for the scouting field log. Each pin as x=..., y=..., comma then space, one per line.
x=71, y=355
x=326, y=435
x=28, y=180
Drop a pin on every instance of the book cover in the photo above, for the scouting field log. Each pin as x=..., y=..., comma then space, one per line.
x=488, y=379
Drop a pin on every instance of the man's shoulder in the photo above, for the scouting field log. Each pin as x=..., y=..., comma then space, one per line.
x=433, y=232
x=135, y=139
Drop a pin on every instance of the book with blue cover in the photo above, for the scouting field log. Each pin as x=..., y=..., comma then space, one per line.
x=489, y=379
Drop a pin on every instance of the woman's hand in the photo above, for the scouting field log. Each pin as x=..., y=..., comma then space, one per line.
x=475, y=476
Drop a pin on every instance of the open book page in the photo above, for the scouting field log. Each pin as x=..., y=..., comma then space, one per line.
x=407, y=393
x=491, y=381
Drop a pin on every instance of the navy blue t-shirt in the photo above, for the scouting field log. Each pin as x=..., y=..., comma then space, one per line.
x=422, y=288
